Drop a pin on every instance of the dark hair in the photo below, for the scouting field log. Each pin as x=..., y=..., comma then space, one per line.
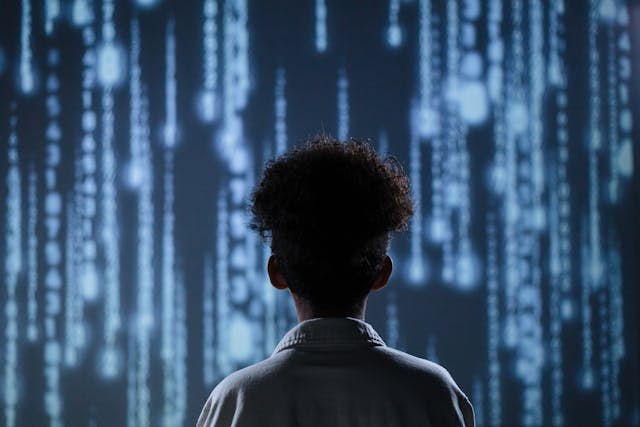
x=328, y=208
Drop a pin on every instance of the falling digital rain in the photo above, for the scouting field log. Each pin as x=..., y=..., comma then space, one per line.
x=535, y=242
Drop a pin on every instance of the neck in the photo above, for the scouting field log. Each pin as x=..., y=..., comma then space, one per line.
x=306, y=311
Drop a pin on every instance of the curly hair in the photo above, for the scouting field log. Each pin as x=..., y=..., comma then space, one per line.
x=328, y=209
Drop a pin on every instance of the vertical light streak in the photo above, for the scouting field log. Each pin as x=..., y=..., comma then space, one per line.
x=530, y=186
x=394, y=31
x=12, y=268
x=208, y=324
x=537, y=87
x=74, y=333
x=32, y=257
x=612, y=116
x=465, y=263
x=624, y=156
x=560, y=213
x=88, y=208
x=616, y=328
x=555, y=304
x=131, y=380
x=171, y=126
x=240, y=62
x=495, y=84
x=438, y=230
x=417, y=263
x=451, y=139
x=27, y=77
x=145, y=275
x=383, y=142
x=523, y=253
x=393, y=323
x=236, y=153
x=515, y=123
x=52, y=269
x=51, y=13
x=208, y=97
x=493, y=325
x=588, y=377
x=498, y=331
x=605, y=358
x=235, y=77
x=180, y=353
x=135, y=108
x=81, y=13
x=343, y=105
x=431, y=349
x=478, y=401
x=472, y=110
x=222, y=284
x=321, y=25
x=168, y=293
x=142, y=179
x=109, y=60
x=109, y=233
x=168, y=244
x=561, y=197
x=595, y=144
x=429, y=119
x=280, y=126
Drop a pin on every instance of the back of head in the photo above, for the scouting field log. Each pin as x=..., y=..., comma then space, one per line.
x=328, y=208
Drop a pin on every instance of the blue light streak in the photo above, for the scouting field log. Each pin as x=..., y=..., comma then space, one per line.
x=280, y=107
x=27, y=74
x=207, y=105
x=89, y=282
x=208, y=324
x=74, y=332
x=393, y=324
x=616, y=329
x=109, y=231
x=13, y=265
x=52, y=11
x=429, y=118
x=394, y=31
x=343, y=106
x=32, y=257
x=223, y=361
x=417, y=269
x=321, y=25
x=594, y=148
x=494, y=389
x=171, y=126
x=587, y=377
x=52, y=270
x=170, y=416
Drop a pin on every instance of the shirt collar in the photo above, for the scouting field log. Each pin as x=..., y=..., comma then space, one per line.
x=330, y=332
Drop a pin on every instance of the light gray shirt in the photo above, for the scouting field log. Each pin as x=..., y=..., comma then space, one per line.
x=337, y=372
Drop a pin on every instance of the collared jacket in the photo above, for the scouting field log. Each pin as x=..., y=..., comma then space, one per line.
x=337, y=372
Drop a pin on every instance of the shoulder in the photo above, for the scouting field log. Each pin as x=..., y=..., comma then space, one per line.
x=230, y=393
x=434, y=383
x=421, y=369
x=252, y=376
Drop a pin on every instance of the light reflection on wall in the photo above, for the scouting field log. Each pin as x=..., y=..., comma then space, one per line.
x=522, y=193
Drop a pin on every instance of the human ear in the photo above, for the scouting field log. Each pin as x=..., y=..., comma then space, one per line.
x=383, y=276
x=275, y=275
